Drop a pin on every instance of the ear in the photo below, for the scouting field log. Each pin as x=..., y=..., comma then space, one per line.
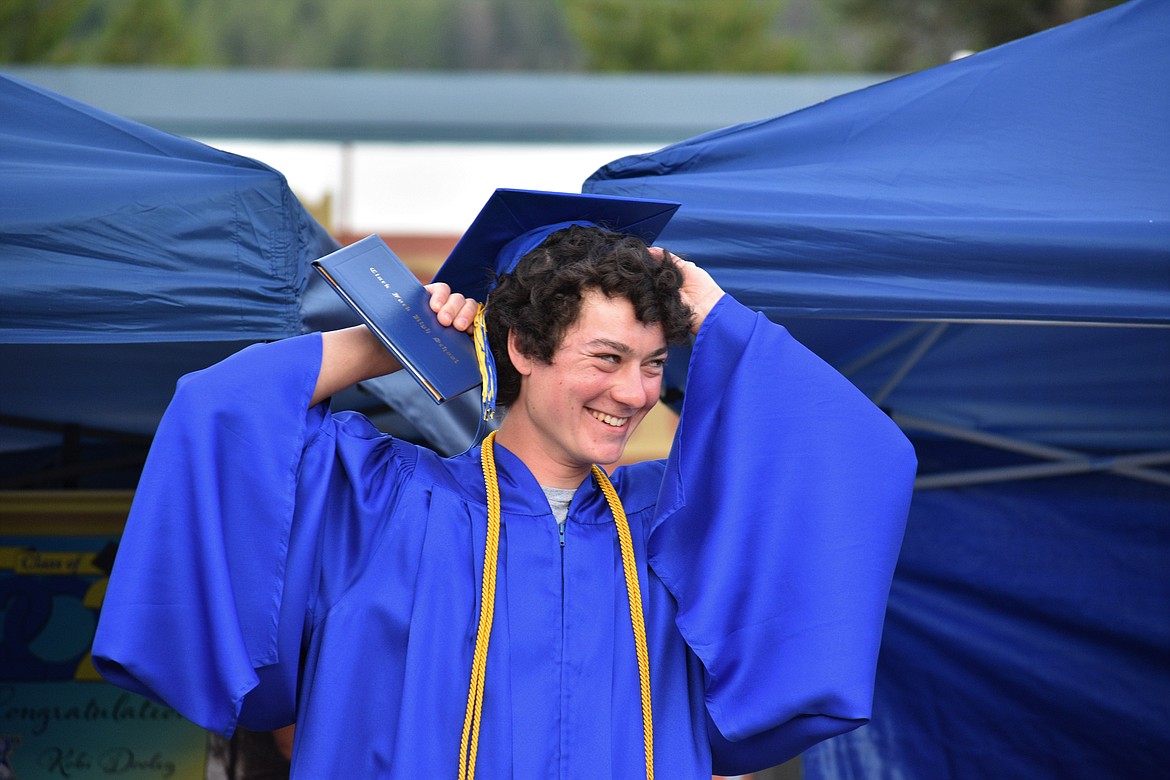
x=521, y=362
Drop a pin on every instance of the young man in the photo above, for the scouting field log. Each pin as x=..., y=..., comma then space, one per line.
x=719, y=611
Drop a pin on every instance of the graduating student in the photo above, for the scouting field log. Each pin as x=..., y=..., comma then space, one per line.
x=515, y=611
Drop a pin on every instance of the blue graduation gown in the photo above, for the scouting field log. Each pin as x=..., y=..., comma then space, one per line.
x=281, y=563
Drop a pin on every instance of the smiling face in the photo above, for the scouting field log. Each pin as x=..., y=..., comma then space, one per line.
x=581, y=408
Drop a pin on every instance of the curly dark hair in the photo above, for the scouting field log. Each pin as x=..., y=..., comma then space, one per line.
x=541, y=299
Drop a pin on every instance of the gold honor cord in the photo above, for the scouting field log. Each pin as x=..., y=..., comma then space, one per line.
x=637, y=620
x=469, y=744
x=471, y=719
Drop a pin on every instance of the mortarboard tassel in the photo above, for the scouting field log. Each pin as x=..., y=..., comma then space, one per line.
x=487, y=363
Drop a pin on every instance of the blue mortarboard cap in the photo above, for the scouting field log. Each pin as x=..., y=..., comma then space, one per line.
x=514, y=222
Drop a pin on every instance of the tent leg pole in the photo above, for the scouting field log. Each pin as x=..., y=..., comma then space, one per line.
x=919, y=351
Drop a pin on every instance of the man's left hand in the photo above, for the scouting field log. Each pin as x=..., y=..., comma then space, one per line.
x=699, y=291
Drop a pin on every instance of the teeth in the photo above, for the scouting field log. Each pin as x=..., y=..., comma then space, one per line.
x=609, y=419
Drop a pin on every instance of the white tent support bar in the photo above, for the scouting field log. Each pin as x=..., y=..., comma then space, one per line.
x=986, y=439
x=1070, y=461
x=884, y=348
x=1053, y=323
x=1119, y=465
x=919, y=351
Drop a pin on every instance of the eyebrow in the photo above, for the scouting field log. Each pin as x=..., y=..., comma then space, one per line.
x=624, y=349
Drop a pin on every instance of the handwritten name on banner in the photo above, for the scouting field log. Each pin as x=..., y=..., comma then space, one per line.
x=67, y=762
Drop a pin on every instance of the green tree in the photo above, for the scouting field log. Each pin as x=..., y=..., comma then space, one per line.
x=36, y=30
x=146, y=32
x=594, y=35
x=684, y=35
x=384, y=34
x=511, y=35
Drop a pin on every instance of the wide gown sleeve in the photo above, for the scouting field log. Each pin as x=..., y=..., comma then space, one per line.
x=780, y=519
x=211, y=587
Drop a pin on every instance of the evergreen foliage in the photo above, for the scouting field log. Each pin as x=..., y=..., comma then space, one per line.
x=761, y=36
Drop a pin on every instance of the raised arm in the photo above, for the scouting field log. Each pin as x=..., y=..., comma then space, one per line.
x=351, y=355
x=779, y=523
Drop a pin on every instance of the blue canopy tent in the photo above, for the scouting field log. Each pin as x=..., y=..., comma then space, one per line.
x=130, y=257
x=984, y=248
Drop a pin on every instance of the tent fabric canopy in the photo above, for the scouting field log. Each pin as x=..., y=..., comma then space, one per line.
x=1026, y=184
x=130, y=258
x=133, y=256
x=114, y=232
x=1029, y=182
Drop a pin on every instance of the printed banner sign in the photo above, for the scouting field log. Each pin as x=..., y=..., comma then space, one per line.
x=58, y=719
